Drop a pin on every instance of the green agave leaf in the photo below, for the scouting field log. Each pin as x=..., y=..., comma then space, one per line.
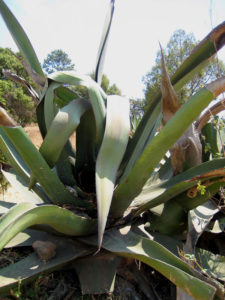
x=13, y=213
x=64, y=167
x=199, y=199
x=50, y=110
x=102, y=267
x=64, y=95
x=13, y=156
x=19, y=166
x=199, y=57
x=27, y=269
x=154, y=194
x=110, y=155
x=213, y=264
x=44, y=175
x=103, y=44
x=40, y=113
x=85, y=151
x=22, y=42
x=170, y=243
x=64, y=124
x=27, y=237
x=160, y=144
x=25, y=215
x=138, y=143
x=128, y=244
x=209, y=141
x=97, y=96
x=171, y=220
x=198, y=219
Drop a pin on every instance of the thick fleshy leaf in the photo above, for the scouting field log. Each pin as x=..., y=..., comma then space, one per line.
x=198, y=219
x=27, y=237
x=40, y=169
x=103, y=44
x=209, y=141
x=86, y=152
x=23, y=43
x=187, y=151
x=194, y=197
x=140, y=141
x=213, y=264
x=64, y=167
x=13, y=213
x=64, y=95
x=97, y=96
x=155, y=193
x=50, y=109
x=199, y=57
x=102, y=268
x=110, y=155
x=63, y=125
x=25, y=215
x=18, y=165
x=125, y=243
x=31, y=267
x=160, y=144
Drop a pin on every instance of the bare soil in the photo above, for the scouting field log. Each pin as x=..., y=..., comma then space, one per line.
x=33, y=132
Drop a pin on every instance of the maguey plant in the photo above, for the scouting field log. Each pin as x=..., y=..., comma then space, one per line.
x=144, y=196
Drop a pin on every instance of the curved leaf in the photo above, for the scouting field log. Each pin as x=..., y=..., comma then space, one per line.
x=50, y=109
x=126, y=243
x=110, y=155
x=62, y=220
x=155, y=194
x=63, y=125
x=198, y=58
x=40, y=169
x=96, y=94
x=160, y=144
x=198, y=219
x=18, y=165
x=21, y=39
x=209, y=141
x=103, y=44
x=13, y=213
x=86, y=152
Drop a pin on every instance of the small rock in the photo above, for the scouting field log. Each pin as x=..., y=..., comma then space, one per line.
x=45, y=250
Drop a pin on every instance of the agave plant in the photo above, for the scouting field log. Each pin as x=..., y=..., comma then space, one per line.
x=113, y=195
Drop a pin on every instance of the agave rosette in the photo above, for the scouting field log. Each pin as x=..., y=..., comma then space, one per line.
x=95, y=190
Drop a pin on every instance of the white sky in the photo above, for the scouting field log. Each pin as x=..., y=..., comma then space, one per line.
x=75, y=26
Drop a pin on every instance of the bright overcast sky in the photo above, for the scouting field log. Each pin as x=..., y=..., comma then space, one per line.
x=75, y=27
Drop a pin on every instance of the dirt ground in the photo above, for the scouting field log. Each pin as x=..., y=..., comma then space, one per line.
x=33, y=131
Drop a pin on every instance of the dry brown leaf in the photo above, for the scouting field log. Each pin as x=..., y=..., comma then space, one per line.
x=188, y=149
